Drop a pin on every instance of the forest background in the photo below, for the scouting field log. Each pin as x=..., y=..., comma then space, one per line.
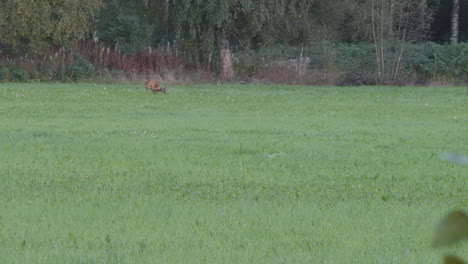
x=321, y=42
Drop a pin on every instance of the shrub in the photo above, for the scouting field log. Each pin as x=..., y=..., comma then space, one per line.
x=432, y=61
x=20, y=75
x=81, y=69
x=357, y=64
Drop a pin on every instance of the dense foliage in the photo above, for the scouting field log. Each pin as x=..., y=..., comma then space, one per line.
x=39, y=40
x=28, y=27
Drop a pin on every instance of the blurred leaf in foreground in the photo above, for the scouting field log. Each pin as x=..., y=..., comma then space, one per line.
x=453, y=228
x=455, y=158
x=453, y=260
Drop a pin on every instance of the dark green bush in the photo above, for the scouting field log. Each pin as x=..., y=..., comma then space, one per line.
x=20, y=75
x=80, y=70
x=357, y=63
x=432, y=61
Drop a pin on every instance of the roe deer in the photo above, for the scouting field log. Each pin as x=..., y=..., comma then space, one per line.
x=153, y=86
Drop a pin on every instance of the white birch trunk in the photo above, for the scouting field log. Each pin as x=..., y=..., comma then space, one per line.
x=455, y=14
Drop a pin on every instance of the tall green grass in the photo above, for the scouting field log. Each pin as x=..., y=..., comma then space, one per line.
x=228, y=174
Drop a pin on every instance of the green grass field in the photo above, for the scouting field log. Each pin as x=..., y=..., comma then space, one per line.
x=228, y=173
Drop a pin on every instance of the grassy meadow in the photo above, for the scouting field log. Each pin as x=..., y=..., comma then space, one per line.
x=228, y=173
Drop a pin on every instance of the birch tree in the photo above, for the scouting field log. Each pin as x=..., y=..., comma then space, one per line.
x=454, y=24
x=394, y=23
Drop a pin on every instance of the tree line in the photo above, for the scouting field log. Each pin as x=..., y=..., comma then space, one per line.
x=207, y=33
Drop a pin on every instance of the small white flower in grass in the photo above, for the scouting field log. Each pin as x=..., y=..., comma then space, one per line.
x=273, y=155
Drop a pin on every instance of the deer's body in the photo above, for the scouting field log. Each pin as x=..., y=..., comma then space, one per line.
x=153, y=86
